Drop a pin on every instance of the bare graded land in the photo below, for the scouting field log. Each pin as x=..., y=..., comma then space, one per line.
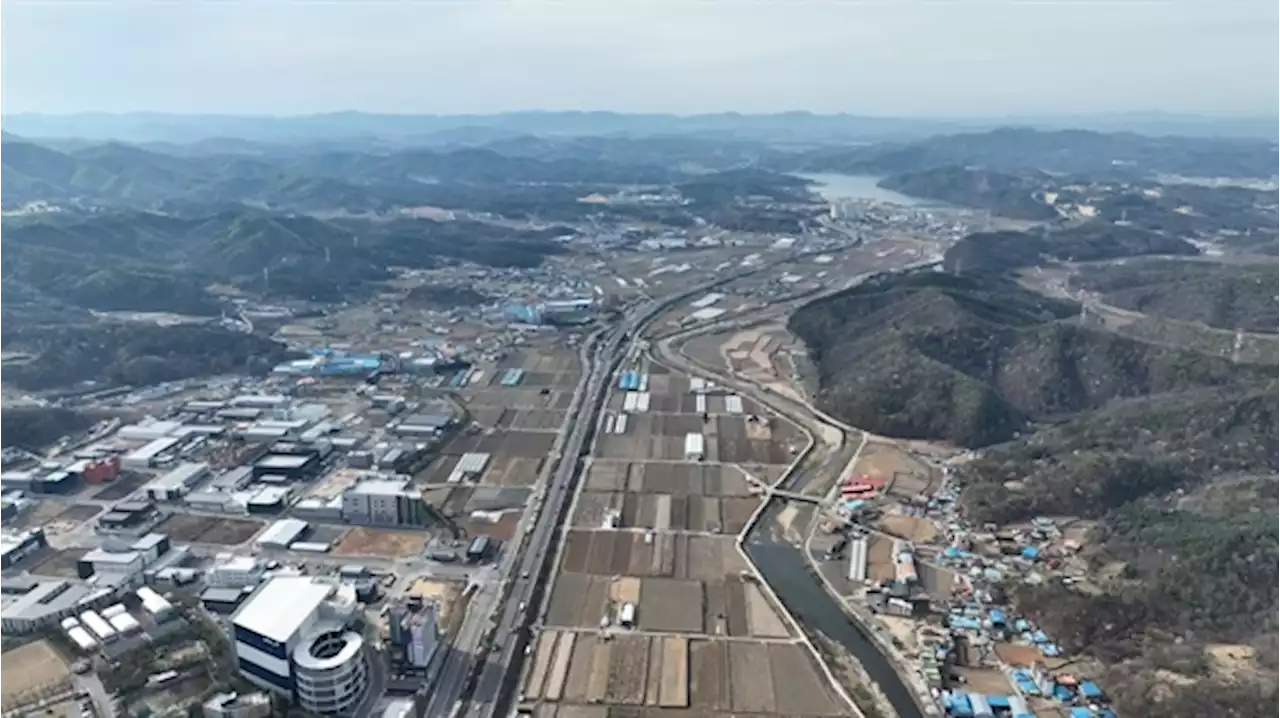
x=910, y=528
x=39, y=515
x=185, y=528
x=78, y=514
x=380, y=542
x=58, y=564
x=126, y=483
x=905, y=476
x=31, y=671
x=446, y=594
x=512, y=471
x=504, y=529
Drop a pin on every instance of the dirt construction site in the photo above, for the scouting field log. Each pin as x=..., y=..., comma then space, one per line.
x=655, y=610
x=185, y=528
x=33, y=672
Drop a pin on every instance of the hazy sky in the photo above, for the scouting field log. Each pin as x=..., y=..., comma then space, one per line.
x=883, y=57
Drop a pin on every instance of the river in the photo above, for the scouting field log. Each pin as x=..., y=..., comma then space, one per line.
x=834, y=186
x=784, y=568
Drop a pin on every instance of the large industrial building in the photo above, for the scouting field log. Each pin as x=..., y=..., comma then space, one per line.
x=177, y=483
x=294, y=466
x=292, y=638
x=386, y=502
x=14, y=547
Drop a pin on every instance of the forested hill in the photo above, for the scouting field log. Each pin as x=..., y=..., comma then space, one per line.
x=976, y=361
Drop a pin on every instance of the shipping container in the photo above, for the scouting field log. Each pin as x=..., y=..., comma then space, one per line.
x=69, y=623
x=733, y=404
x=700, y=404
x=642, y=401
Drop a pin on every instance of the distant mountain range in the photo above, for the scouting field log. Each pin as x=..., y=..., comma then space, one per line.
x=477, y=129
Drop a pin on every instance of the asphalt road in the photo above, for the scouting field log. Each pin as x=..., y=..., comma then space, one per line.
x=495, y=686
x=456, y=673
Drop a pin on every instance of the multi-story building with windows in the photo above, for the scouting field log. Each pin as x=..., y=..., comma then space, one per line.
x=292, y=637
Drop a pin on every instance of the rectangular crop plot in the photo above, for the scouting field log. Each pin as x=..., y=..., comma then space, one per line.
x=751, y=677
x=670, y=605
x=607, y=476
x=761, y=616
x=628, y=668
x=542, y=656
x=537, y=420
x=798, y=685
x=559, y=666
x=709, y=688
x=737, y=446
x=673, y=690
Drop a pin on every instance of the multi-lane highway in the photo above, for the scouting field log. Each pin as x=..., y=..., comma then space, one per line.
x=497, y=678
x=496, y=683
